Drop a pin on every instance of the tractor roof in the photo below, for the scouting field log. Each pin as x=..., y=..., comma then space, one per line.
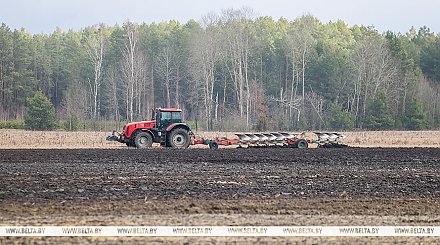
x=170, y=109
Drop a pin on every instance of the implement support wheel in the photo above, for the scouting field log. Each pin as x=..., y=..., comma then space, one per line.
x=213, y=145
x=301, y=144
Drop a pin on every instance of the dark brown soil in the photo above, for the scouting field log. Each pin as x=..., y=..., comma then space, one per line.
x=38, y=187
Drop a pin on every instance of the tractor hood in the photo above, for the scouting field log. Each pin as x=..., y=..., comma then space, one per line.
x=130, y=127
x=141, y=124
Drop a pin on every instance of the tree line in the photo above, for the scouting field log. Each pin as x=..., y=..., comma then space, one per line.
x=229, y=71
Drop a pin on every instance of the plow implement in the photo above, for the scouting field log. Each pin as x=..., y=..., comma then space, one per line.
x=275, y=140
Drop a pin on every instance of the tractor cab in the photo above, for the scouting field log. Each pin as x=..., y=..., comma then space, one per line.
x=166, y=117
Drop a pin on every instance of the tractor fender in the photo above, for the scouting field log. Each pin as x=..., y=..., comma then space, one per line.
x=179, y=125
x=143, y=130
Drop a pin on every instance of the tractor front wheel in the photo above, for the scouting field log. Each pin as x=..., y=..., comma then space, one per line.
x=143, y=140
x=179, y=138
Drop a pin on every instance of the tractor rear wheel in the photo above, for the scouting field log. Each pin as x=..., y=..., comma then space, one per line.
x=143, y=140
x=178, y=138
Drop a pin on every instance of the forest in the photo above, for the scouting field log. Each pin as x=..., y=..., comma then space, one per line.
x=229, y=71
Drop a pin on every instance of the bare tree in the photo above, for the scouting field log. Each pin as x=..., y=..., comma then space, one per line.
x=112, y=79
x=293, y=51
x=237, y=46
x=166, y=69
x=74, y=106
x=170, y=59
x=133, y=70
x=428, y=93
x=299, y=44
x=204, y=56
x=94, y=42
x=374, y=70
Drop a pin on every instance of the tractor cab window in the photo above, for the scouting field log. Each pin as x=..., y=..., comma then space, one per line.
x=177, y=116
x=166, y=115
x=167, y=118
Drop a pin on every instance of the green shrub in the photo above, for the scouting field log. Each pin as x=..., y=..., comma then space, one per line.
x=72, y=123
x=339, y=119
x=12, y=124
x=40, y=114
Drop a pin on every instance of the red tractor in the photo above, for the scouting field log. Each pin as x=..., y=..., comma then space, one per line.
x=166, y=128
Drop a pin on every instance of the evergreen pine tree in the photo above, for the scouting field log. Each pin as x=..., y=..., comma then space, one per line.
x=339, y=119
x=414, y=119
x=378, y=117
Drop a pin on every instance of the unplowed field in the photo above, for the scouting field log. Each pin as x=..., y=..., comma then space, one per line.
x=355, y=186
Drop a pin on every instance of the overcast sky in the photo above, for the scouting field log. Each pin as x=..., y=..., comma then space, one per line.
x=38, y=16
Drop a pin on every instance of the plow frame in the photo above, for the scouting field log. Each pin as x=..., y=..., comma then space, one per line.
x=290, y=140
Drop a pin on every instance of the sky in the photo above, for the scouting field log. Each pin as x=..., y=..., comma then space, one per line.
x=44, y=16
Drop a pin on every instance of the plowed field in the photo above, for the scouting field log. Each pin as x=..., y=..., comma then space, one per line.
x=355, y=186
